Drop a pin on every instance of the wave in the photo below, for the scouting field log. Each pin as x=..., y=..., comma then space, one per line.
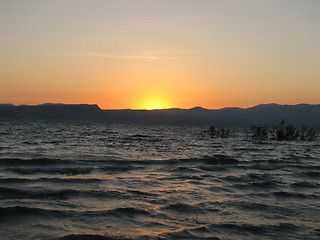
x=261, y=184
x=31, y=162
x=90, y=237
x=311, y=174
x=211, y=168
x=14, y=193
x=309, y=166
x=263, y=208
x=127, y=211
x=78, y=167
x=189, y=234
x=112, y=168
x=304, y=185
x=186, y=177
x=283, y=194
x=209, y=232
x=268, y=167
x=217, y=159
x=14, y=180
x=140, y=138
x=209, y=160
x=183, y=208
x=8, y=212
x=256, y=229
x=71, y=171
x=249, y=177
x=141, y=193
x=50, y=180
x=201, y=232
x=55, y=170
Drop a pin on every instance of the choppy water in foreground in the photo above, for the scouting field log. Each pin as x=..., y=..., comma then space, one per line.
x=95, y=181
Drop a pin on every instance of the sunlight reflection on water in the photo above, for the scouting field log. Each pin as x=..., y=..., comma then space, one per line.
x=59, y=178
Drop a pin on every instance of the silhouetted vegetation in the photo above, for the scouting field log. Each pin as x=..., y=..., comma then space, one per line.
x=280, y=132
x=260, y=132
x=284, y=132
x=220, y=132
x=308, y=134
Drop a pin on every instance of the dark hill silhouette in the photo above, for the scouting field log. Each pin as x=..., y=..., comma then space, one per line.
x=268, y=114
x=53, y=111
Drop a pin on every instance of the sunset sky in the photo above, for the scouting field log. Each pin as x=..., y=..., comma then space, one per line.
x=160, y=53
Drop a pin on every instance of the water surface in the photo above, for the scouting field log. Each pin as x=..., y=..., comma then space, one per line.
x=65, y=180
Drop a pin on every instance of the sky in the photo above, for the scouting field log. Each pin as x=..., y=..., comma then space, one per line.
x=147, y=54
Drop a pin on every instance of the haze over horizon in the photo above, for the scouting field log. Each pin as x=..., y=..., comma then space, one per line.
x=267, y=105
x=149, y=54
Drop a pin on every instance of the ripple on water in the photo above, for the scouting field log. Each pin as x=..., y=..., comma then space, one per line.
x=98, y=181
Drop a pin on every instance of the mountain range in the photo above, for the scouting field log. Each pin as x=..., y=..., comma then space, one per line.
x=263, y=114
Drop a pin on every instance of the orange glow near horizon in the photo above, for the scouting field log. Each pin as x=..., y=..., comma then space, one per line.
x=159, y=54
x=154, y=105
x=152, y=102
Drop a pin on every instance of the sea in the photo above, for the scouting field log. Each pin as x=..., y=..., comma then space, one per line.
x=86, y=180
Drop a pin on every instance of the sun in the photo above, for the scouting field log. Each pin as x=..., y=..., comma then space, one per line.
x=153, y=106
x=154, y=102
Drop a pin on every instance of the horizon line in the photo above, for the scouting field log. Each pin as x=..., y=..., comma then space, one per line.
x=143, y=109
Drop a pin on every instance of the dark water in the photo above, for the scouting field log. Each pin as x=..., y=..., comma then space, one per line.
x=92, y=181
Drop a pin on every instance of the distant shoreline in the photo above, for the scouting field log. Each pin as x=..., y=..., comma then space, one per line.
x=263, y=114
x=262, y=105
